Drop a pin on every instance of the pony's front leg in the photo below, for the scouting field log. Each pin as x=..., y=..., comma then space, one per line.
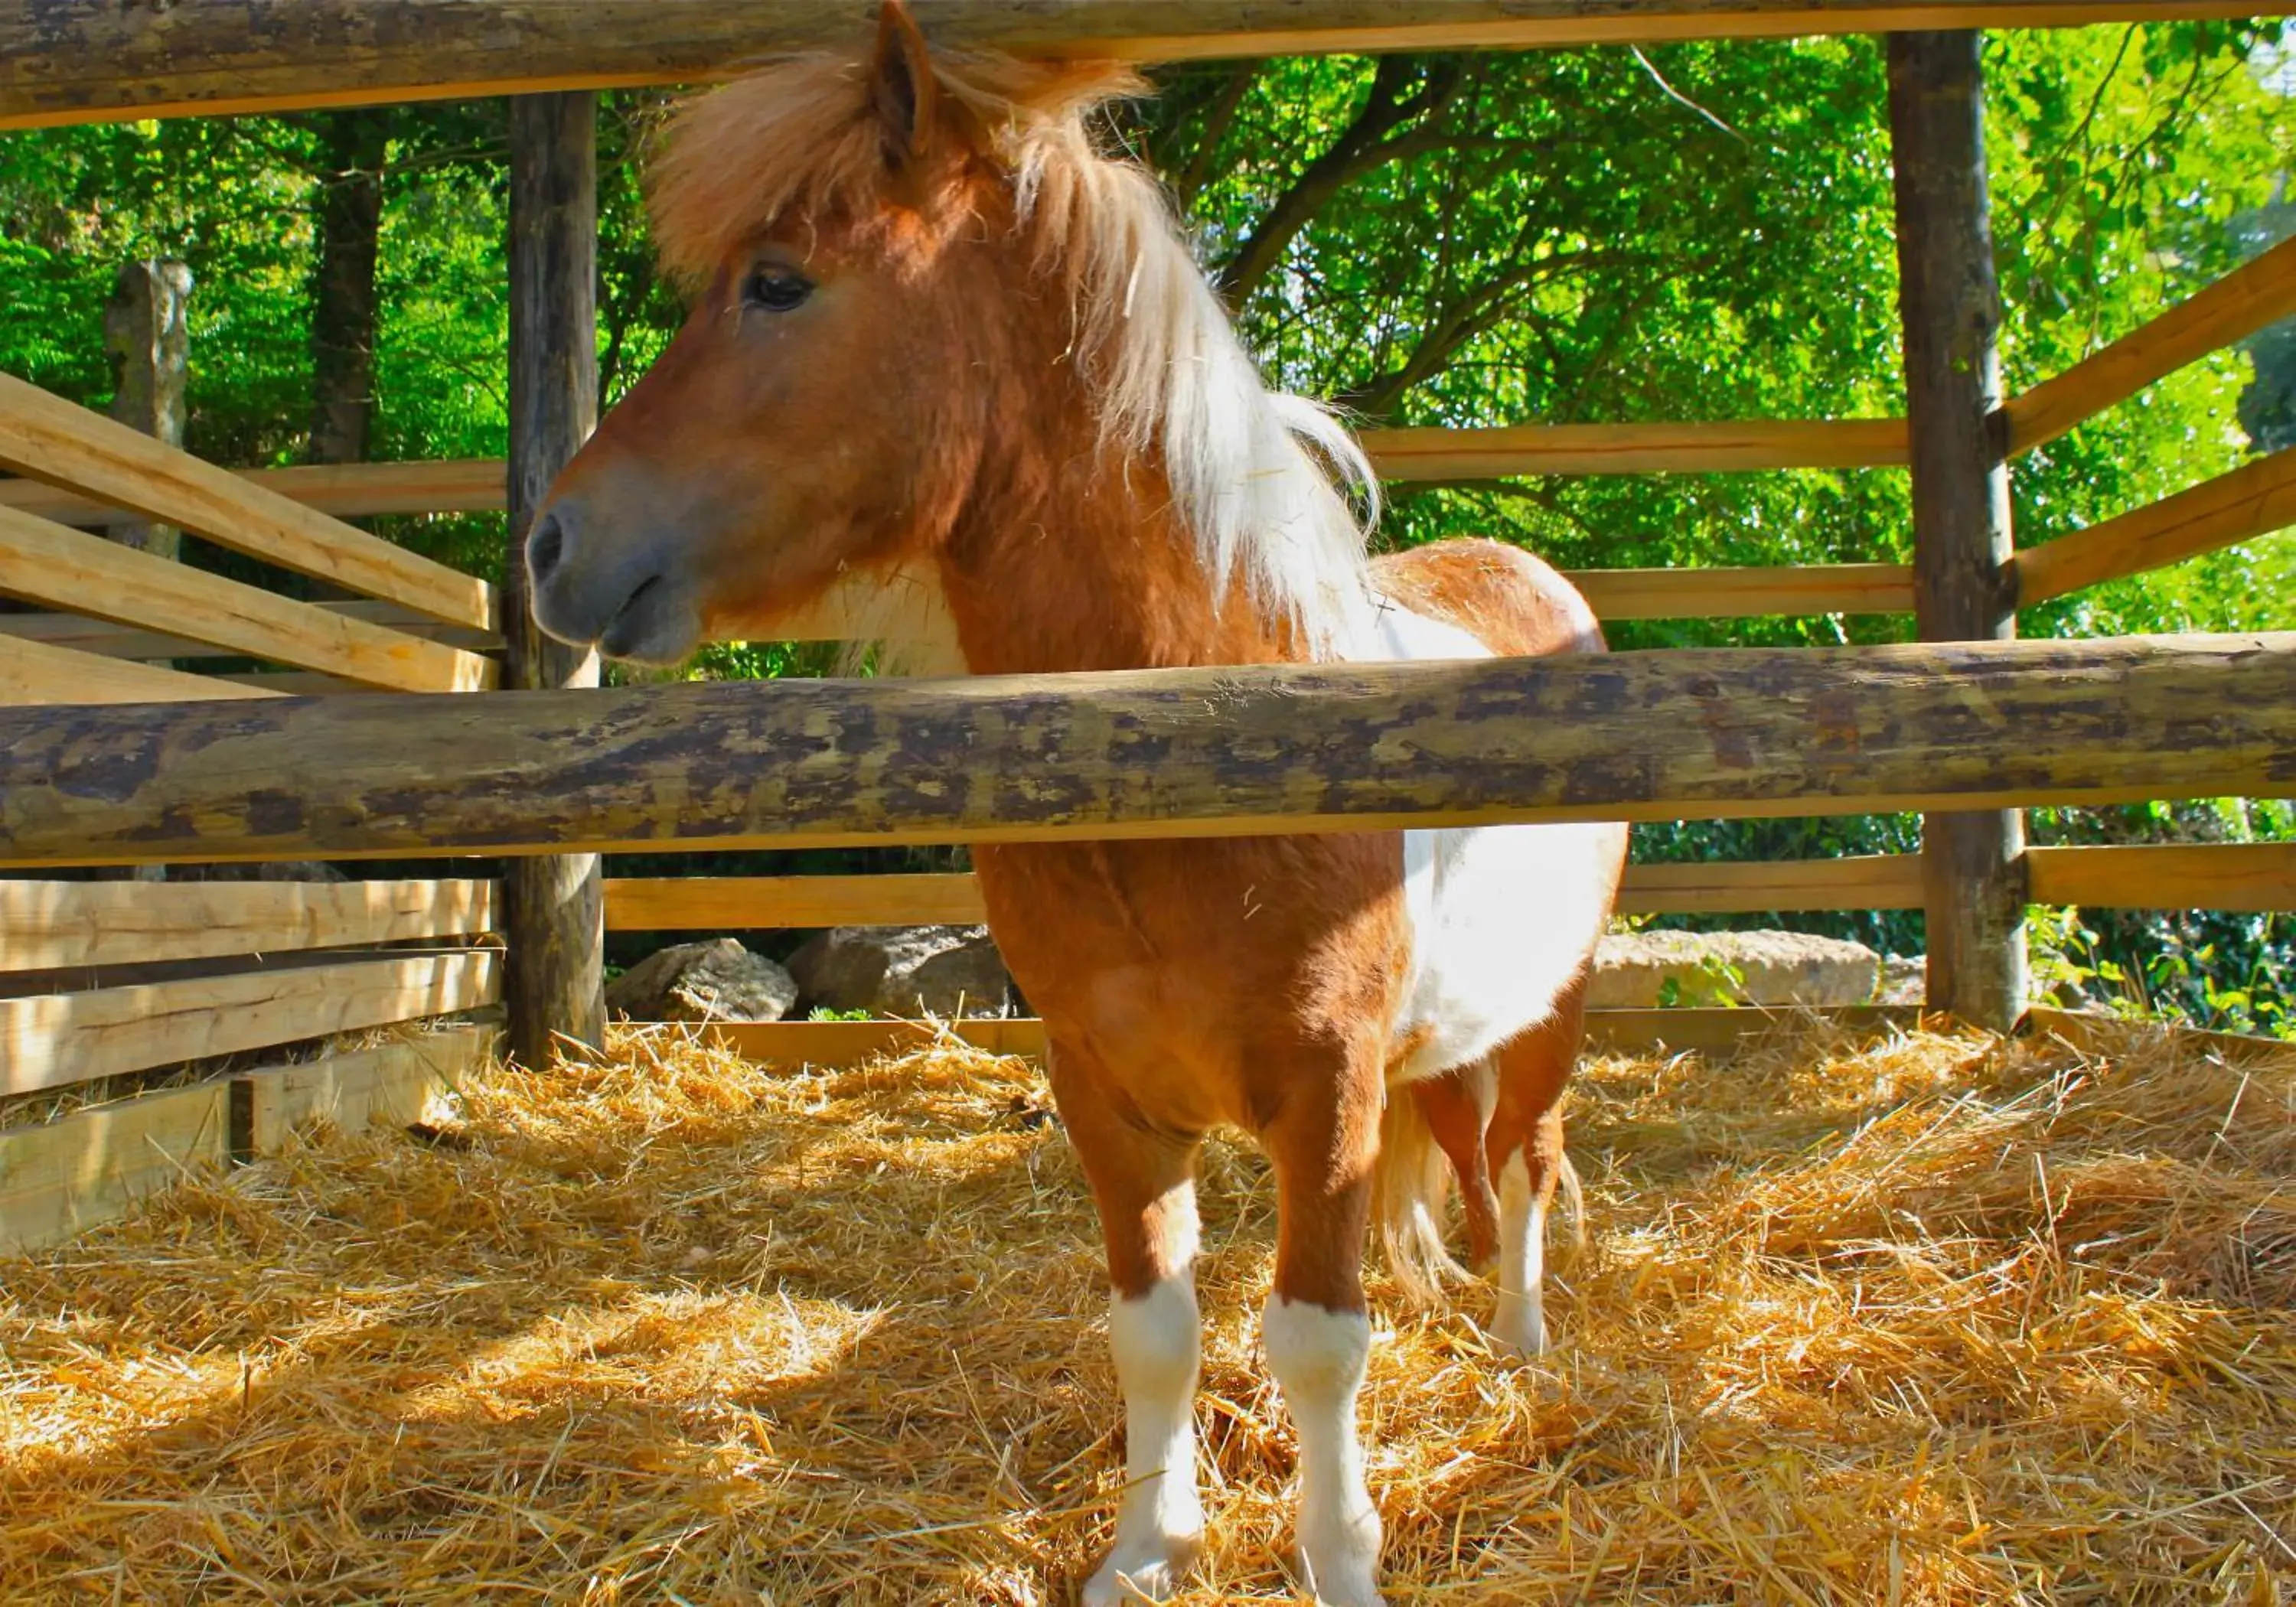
x=1316, y=1328
x=1142, y=1181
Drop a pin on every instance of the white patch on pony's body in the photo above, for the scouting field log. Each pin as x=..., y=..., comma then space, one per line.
x=1161, y=1525
x=1319, y=1357
x=1501, y=916
x=1519, y=1322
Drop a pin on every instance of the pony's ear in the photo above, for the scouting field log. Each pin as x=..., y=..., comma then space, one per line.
x=902, y=87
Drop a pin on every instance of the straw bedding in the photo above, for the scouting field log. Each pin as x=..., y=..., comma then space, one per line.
x=1922, y=1320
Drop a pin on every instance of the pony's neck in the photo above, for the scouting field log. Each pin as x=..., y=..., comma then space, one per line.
x=1071, y=554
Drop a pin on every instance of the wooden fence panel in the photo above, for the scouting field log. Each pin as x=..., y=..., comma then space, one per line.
x=51, y=925
x=33, y=672
x=48, y=438
x=64, y=568
x=49, y=1040
x=2255, y=499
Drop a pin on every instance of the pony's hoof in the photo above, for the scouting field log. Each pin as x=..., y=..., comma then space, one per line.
x=1143, y=1573
x=1518, y=1330
x=1349, y=1587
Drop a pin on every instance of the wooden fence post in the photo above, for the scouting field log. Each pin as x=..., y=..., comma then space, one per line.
x=148, y=341
x=1964, y=588
x=554, y=908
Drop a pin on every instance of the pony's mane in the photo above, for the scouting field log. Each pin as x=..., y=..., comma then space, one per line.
x=1252, y=469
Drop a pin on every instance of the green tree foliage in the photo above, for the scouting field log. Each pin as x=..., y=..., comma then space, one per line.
x=1697, y=231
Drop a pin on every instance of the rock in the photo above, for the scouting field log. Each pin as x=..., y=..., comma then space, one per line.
x=1904, y=981
x=280, y=870
x=714, y=982
x=1632, y=970
x=904, y=971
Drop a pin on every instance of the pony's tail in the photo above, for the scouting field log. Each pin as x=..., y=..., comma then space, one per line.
x=1411, y=1184
x=1574, y=1201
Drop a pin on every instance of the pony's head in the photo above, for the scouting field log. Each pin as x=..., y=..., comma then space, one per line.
x=900, y=262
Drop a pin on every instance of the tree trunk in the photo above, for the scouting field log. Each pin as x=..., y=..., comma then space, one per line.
x=355, y=145
x=554, y=908
x=1964, y=588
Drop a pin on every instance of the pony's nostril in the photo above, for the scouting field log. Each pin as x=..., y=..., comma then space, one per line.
x=545, y=547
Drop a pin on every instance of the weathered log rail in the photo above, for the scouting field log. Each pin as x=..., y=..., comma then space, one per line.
x=83, y=60
x=1165, y=753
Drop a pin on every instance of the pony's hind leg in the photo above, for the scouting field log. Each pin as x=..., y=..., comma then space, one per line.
x=1142, y=1181
x=1457, y=1107
x=1316, y=1328
x=1525, y=1145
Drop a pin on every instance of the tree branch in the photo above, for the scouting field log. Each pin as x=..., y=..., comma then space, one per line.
x=1364, y=145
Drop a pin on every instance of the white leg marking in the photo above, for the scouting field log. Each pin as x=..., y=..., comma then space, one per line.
x=1318, y=1357
x=1161, y=1525
x=1520, y=1322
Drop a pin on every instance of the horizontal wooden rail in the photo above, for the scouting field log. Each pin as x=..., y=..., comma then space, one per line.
x=2253, y=500
x=761, y=903
x=1703, y=1028
x=2258, y=293
x=478, y=485
x=63, y=567
x=2254, y=876
x=82, y=61
x=343, y=490
x=2225, y=876
x=62, y=1178
x=51, y=1040
x=52, y=440
x=113, y=640
x=1703, y=448
x=59, y=1178
x=1725, y=593
x=48, y=925
x=32, y=672
x=1675, y=735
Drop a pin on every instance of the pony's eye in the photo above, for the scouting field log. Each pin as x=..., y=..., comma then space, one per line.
x=776, y=290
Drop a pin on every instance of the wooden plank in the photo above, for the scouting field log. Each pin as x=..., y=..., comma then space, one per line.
x=2109, y=1035
x=753, y=903
x=1949, y=307
x=2253, y=500
x=49, y=439
x=48, y=925
x=466, y=485
x=1701, y=448
x=760, y=903
x=2260, y=292
x=61, y=1178
x=80, y=60
x=32, y=672
x=64, y=568
x=48, y=1040
x=553, y=913
x=1721, y=1028
x=1722, y=594
x=1855, y=881
x=114, y=640
x=1704, y=734
x=393, y=1084
x=474, y=485
x=854, y=1042
x=2259, y=876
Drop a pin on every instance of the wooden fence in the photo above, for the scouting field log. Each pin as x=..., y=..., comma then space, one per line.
x=102, y=979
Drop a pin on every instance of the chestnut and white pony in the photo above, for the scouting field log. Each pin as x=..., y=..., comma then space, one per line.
x=952, y=367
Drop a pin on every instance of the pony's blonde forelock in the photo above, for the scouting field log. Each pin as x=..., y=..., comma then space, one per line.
x=1252, y=471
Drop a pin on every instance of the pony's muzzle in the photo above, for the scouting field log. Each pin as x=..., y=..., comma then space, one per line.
x=629, y=605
